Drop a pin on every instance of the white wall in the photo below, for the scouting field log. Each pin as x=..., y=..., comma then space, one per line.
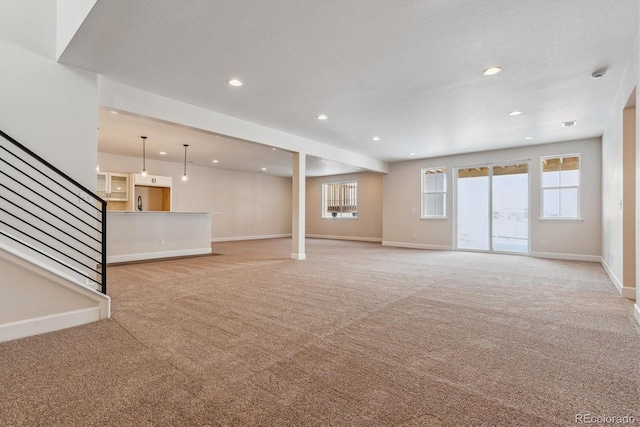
x=577, y=240
x=49, y=107
x=71, y=14
x=250, y=204
x=27, y=294
x=612, y=177
x=368, y=224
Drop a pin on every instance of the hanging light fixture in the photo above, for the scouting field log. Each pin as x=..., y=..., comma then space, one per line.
x=144, y=166
x=184, y=175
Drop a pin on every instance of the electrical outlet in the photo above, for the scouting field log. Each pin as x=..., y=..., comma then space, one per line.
x=413, y=210
x=543, y=243
x=373, y=231
x=414, y=237
x=162, y=241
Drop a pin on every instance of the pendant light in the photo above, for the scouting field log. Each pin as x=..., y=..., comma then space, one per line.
x=144, y=167
x=184, y=175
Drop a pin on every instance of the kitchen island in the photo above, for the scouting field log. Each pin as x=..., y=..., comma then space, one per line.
x=133, y=236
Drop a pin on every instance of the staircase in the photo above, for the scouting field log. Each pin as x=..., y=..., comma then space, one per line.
x=53, y=271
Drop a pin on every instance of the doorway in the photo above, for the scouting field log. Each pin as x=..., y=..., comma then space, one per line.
x=492, y=207
x=628, y=202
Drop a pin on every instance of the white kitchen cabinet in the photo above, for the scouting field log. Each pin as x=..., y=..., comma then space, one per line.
x=152, y=180
x=113, y=186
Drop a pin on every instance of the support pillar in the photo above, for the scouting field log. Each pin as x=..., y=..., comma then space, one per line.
x=298, y=206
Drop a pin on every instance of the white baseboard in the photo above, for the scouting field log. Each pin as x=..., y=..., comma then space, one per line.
x=54, y=322
x=417, y=246
x=298, y=256
x=238, y=238
x=359, y=239
x=625, y=291
x=156, y=255
x=566, y=257
x=636, y=312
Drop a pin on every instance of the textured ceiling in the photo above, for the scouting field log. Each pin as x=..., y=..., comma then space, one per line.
x=120, y=134
x=409, y=72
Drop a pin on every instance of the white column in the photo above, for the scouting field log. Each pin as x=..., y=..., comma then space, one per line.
x=298, y=206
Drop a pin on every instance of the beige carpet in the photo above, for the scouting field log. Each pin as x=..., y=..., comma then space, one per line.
x=356, y=335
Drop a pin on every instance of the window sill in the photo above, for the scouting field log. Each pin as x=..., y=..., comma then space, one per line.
x=560, y=220
x=428, y=218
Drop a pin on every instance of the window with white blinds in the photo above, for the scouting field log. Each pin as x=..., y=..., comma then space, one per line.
x=340, y=200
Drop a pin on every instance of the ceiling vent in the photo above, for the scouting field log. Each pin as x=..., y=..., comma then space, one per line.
x=569, y=124
x=598, y=74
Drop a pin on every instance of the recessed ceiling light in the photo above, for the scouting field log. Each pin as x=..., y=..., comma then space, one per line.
x=375, y=138
x=235, y=82
x=569, y=123
x=264, y=169
x=114, y=112
x=215, y=161
x=412, y=154
x=515, y=113
x=491, y=71
x=163, y=153
x=322, y=117
x=274, y=148
x=528, y=137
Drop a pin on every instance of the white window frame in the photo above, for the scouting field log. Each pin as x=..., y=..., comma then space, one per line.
x=340, y=215
x=425, y=192
x=578, y=216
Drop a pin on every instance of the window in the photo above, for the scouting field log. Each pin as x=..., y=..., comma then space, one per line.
x=561, y=187
x=434, y=193
x=340, y=200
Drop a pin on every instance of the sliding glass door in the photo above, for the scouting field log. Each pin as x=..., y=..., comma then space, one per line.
x=510, y=216
x=493, y=208
x=473, y=208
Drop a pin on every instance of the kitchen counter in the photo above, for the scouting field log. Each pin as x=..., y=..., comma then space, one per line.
x=138, y=235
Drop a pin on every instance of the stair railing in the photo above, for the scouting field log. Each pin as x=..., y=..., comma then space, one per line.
x=49, y=216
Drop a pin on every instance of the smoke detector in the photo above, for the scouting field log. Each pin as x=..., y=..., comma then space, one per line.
x=598, y=74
